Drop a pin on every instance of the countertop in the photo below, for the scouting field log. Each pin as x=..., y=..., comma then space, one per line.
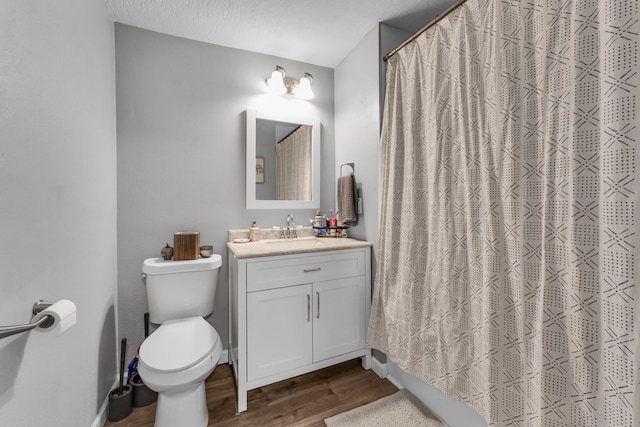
x=274, y=247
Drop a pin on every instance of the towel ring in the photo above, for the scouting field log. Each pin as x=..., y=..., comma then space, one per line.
x=352, y=165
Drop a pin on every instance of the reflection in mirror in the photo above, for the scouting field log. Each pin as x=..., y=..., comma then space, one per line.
x=283, y=161
x=286, y=150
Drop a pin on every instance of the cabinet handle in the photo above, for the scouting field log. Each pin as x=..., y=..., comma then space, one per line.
x=308, y=308
x=318, y=295
x=311, y=270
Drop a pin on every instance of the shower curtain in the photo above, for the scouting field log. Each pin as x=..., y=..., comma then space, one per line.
x=507, y=270
x=293, y=163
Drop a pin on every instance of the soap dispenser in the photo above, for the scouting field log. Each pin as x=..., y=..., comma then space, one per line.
x=254, y=233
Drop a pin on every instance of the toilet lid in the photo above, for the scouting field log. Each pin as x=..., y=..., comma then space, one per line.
x=178, y=344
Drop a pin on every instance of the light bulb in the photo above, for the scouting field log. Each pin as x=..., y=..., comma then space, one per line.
x=304, y=89
x=276, y=81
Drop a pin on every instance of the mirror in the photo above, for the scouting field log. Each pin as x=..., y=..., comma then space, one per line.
x=283, y=161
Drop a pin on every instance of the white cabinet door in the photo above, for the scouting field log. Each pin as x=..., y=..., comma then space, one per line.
x=339, y=317
x=279, y=330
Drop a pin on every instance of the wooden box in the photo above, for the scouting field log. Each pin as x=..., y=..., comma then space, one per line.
x=186, y=245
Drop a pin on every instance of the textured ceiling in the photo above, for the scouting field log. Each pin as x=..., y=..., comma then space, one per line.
x=317, y=32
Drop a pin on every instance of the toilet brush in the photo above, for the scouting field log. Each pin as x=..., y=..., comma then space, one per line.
x=142, y=395
x=146, y=325
x=121, y=398
x=133, y=365
x=123, y=354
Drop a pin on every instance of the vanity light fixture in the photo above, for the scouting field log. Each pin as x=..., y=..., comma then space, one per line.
x=280, y=84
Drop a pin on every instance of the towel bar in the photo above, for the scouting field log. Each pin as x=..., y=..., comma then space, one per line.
x=351, y=164
x=7, y=331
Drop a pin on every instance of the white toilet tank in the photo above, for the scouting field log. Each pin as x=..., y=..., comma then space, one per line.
x=180, y=289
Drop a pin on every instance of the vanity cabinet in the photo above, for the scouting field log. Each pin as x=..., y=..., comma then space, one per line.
x=293, y=314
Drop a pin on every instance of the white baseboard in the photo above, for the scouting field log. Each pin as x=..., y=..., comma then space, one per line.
x=101, y=416
x=379, y=368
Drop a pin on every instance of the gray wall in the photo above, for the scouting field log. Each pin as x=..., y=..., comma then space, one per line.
x=358, y=128
x=359, y=94
x=57, y=207
x=181, y=152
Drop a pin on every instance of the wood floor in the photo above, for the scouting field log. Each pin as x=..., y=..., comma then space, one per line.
x=301, y=401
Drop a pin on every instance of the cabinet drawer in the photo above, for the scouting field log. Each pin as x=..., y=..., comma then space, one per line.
x=298, y=269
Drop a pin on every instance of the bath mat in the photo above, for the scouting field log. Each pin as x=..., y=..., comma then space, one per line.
x=400, y=409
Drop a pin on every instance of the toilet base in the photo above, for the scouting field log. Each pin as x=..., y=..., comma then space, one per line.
x=184, y=408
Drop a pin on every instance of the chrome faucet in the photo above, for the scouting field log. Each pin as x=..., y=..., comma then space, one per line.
x=291, y=231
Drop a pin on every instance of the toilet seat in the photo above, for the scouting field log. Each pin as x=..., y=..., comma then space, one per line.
x=178, y=345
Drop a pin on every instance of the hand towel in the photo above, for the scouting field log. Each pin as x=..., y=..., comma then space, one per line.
x=347, y=199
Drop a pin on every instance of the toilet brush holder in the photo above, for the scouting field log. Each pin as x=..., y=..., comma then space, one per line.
x=120, y=403
x=142, y=395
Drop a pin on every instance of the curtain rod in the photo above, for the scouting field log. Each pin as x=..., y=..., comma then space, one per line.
x=429, y=24
x=289, y=134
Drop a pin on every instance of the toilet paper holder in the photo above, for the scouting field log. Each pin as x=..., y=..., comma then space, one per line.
x=44, y=322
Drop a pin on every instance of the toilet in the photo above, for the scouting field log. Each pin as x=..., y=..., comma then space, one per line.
x=178, y=356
